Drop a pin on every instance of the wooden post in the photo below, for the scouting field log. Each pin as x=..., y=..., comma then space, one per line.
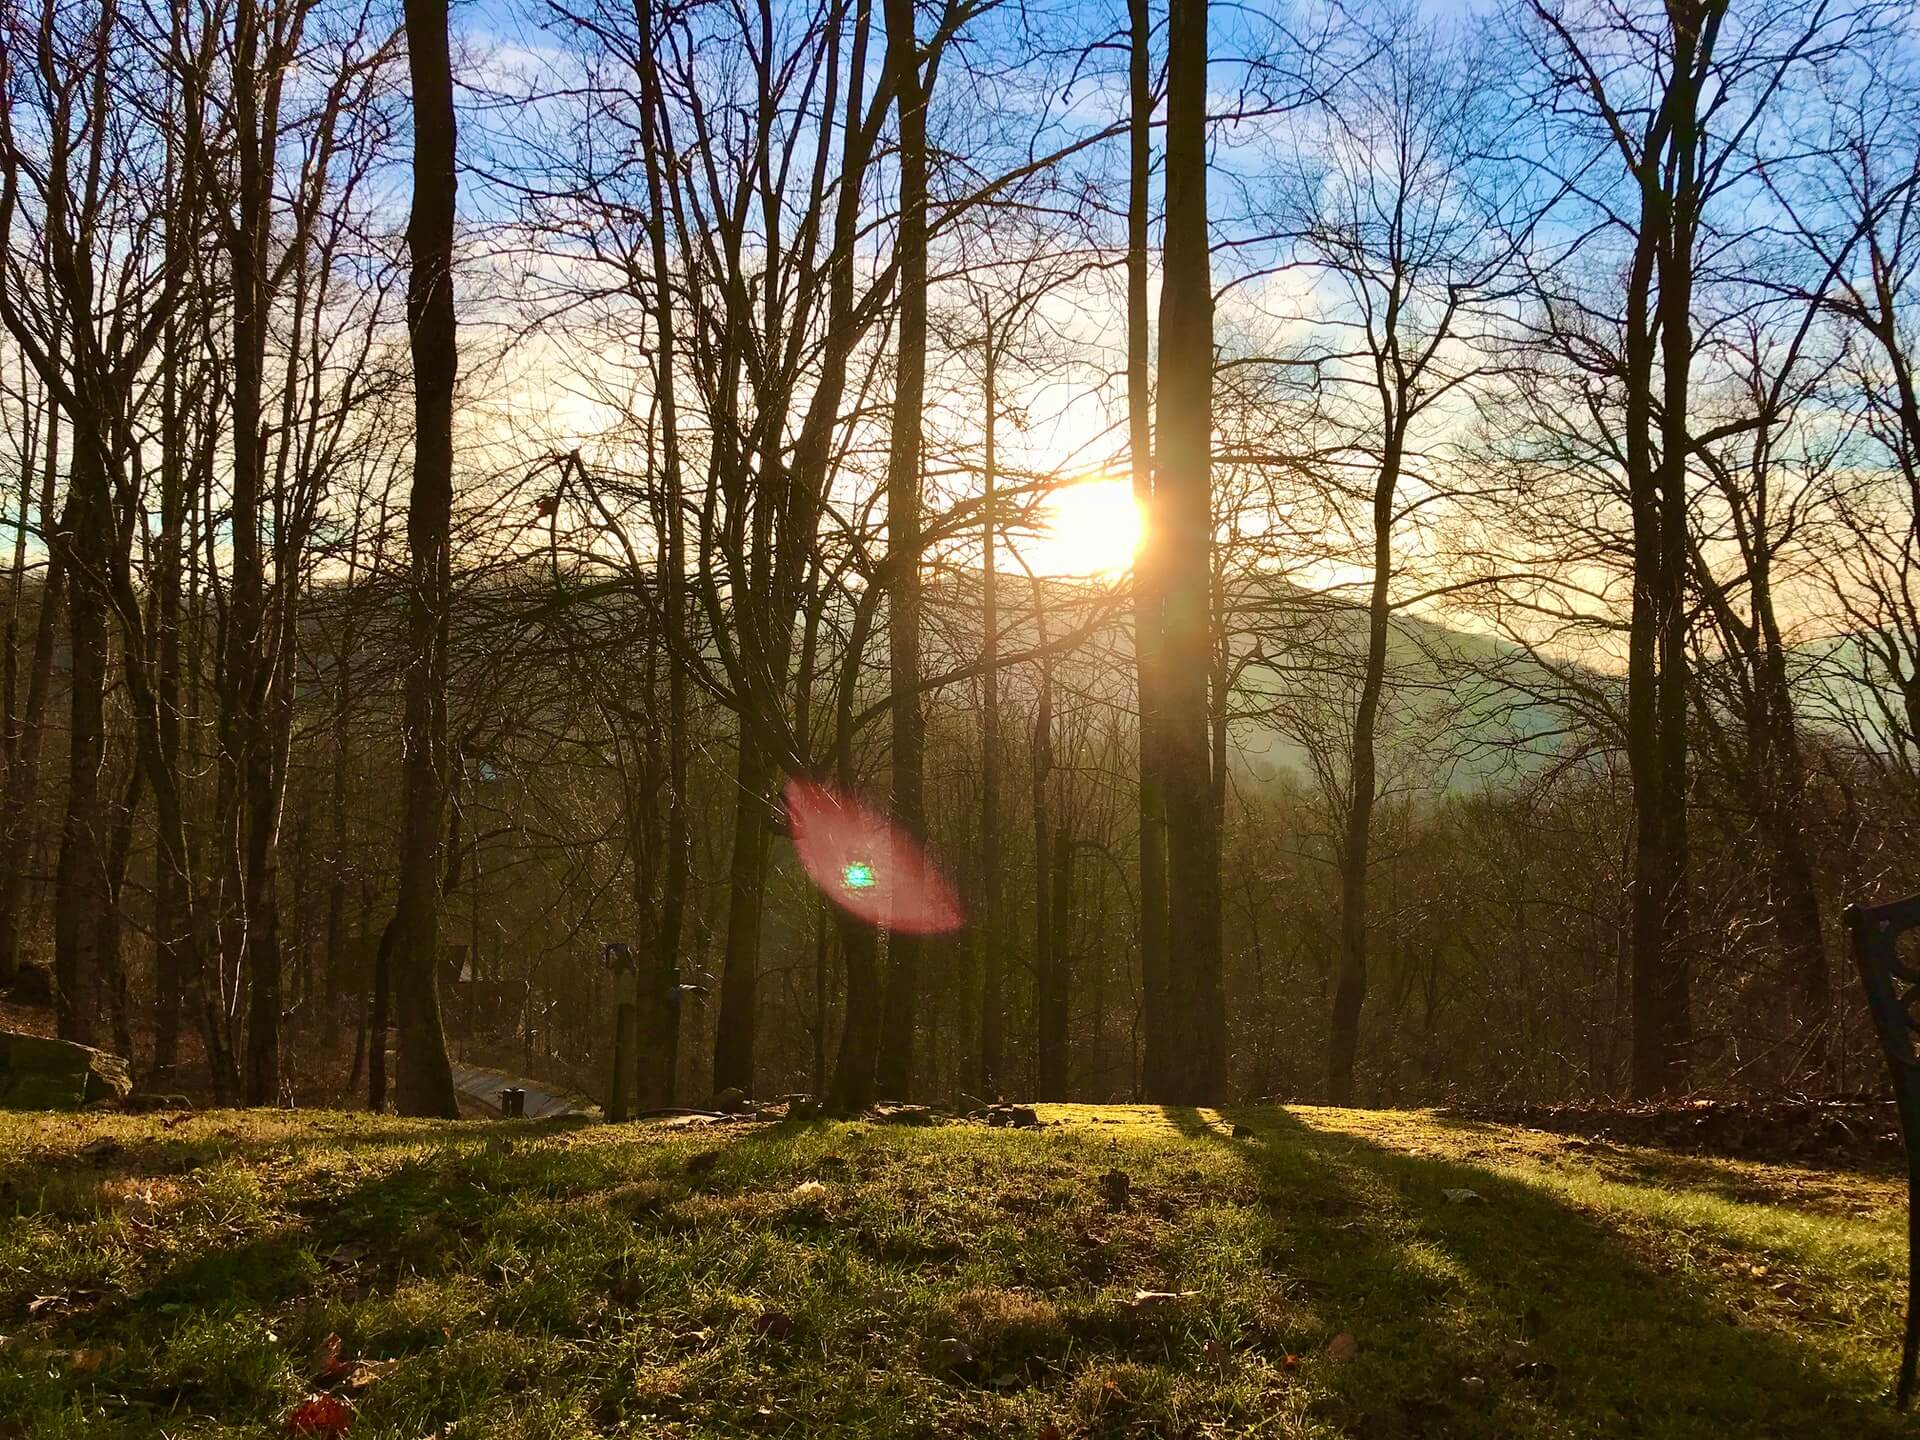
x=626, y=1011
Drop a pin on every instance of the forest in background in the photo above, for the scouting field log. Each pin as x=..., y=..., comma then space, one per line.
x=1519, y=672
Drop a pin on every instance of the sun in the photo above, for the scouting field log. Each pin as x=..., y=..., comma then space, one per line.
x=1090, y=528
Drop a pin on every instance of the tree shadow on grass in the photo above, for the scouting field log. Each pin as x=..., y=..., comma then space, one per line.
x=1515, y=1314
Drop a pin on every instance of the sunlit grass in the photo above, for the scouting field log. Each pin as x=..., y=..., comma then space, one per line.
x=548, y=1279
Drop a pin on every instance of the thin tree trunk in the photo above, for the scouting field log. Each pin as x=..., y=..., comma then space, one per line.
x=1356, y=849
x=853, y=1073
x=986, y=924
x=1056, y=995
x=1147, y=609
x=379, y=1017
x=113, y=966
x=1040, y=767
x=18, y=814
x=80, y=897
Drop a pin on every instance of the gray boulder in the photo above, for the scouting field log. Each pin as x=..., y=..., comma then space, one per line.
x=41, y=1074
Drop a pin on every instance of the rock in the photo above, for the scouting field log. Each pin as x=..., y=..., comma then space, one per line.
x=902, y=1115
x=774, y=1324
x=41, y=1074
x=1018, y=1117
x=145, y=1102
x=952, y=1354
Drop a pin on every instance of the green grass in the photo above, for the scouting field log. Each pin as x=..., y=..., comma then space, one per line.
x=561, y=1279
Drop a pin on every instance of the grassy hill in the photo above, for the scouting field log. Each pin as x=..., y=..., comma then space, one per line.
x=201, y=1276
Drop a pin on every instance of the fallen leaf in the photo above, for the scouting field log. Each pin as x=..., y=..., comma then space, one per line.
x=809, y=1190
x=365, y=1372
x=327, y=1364
x=88, y=1361
x=324, y=1415
x=1342, y=1348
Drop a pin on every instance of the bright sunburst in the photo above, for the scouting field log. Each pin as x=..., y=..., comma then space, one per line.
x=1089, y=528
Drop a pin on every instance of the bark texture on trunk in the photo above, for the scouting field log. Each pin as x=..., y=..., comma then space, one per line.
x=424, y=1082
x=1196, y=1039
x=894, y=1077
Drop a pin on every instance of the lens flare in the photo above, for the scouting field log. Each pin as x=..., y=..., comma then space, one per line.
x=868, y=866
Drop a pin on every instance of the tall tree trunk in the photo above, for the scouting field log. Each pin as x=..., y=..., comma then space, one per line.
x=1183, y=518
x=1147, y=609
x=424, y=1083
x=1657, y=667
x=733, y=1040
x=894, y=1076
x=987, y=923
x=660, y=1031
x=248, y=912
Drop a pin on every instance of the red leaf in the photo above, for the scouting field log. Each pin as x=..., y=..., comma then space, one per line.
x=867, y=866
x=323, y=1415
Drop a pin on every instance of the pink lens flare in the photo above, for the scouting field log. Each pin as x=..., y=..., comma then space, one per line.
x=866, y=865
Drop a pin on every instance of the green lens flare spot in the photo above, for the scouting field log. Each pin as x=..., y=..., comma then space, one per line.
x=857, y=875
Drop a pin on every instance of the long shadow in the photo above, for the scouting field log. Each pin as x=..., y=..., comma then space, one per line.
x=1515, y=1313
